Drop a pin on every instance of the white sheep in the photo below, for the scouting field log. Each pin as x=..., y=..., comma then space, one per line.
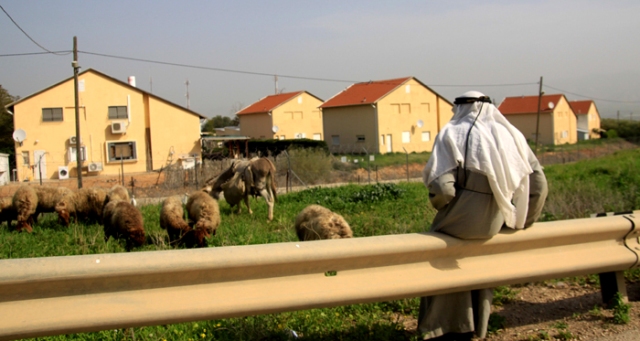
x=316, y=222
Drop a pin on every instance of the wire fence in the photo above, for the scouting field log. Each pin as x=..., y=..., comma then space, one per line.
x=300, y=169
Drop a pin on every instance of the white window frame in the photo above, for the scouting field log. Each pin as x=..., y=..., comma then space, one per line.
x=51, y=115
x=118, y=112
x=71, y=157
x=115, y=158
x=406, y=137
x=426, y=136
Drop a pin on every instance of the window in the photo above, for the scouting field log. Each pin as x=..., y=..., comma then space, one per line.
x=25, y=159
x=360, y=138
x=565, y=134
x=121, y=151
x=335, y=140
x=317, y=137
x=282, y=137
x=426, y=136
x=406, y=137
x=72, y=154
x=52, y=115
x=118, y=112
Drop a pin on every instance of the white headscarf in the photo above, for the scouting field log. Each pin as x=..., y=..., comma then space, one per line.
x=496, y=149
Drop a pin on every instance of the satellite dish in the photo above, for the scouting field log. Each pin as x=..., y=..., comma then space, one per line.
x=274, y=129
x=19, y=135
x=420, y=124
x=551, y=105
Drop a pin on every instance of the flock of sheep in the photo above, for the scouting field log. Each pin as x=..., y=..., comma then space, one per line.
x=121, y=219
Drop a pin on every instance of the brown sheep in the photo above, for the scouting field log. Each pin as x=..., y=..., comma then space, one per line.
x=204, y=214
x=25, y=203
x=317, y=222
x=117, y=192
x=49, y=196
x=7, y=212
x=123, y=221
x=172, y=219
x=85, y=204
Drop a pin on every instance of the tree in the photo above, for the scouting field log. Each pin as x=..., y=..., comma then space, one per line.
x=223, y=121
x=7, y=145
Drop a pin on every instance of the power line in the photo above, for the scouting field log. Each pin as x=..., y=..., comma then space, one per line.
x=484, y=85
x=216, y=69
x=593, y=98
x=34, y=53
x=25, y=33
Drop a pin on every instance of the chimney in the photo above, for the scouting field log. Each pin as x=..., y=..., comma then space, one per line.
x=132, y=81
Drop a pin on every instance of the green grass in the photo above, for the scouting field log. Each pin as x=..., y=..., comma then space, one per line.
x=576, y=190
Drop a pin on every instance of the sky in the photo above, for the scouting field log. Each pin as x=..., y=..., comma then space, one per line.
x=231, y=51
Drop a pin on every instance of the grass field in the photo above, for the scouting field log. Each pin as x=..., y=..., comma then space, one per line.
x=611, y=183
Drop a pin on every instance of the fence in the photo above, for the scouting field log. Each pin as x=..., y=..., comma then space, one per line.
x=56, y=295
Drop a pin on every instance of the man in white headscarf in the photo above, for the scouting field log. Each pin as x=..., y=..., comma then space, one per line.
x=481, y=176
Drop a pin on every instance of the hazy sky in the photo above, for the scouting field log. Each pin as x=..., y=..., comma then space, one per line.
x=584, y=49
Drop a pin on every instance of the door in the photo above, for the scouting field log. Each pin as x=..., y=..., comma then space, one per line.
x=389, y=146
x=40, y=164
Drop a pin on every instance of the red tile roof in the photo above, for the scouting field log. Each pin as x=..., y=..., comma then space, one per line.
x=528, y=104
x=268, y=103
x=364, y=93
x=581, y=107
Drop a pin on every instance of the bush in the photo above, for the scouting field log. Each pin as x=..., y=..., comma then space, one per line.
x=310, y=165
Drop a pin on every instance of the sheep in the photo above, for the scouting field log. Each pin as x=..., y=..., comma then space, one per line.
x=123, y=221
x=316, y=222
x=117, y=192
x=7, y=212
x=49, y=196
x=25, y=203
x=172, y=219
x=85, y=203
x=204, y=213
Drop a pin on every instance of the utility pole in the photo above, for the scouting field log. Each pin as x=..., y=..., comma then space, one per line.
x=275, y=78
x=618, y=117
x=540, y=93
x=76, y=67
x=187, y=84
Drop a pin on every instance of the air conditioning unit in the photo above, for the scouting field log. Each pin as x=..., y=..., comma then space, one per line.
x=118, y=127
x=95, y=167
x=63, y=172
x=73, y=140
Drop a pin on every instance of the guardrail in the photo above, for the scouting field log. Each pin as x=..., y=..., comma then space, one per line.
x=57, y=295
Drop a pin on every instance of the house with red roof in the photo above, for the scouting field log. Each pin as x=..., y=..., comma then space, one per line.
x=588, y=119
x=282, y=116
x=386, y=116
x=557, y=124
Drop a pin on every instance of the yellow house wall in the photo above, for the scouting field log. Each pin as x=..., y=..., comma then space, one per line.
x=400, y=111
x=348, y=123
x=256, y=126
x=594, y=122
x=564, y=120
x=526, y=123
x=95, y=127
x=172, y=136
x=299, y=115
x=396, y=113
x=445, y=113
